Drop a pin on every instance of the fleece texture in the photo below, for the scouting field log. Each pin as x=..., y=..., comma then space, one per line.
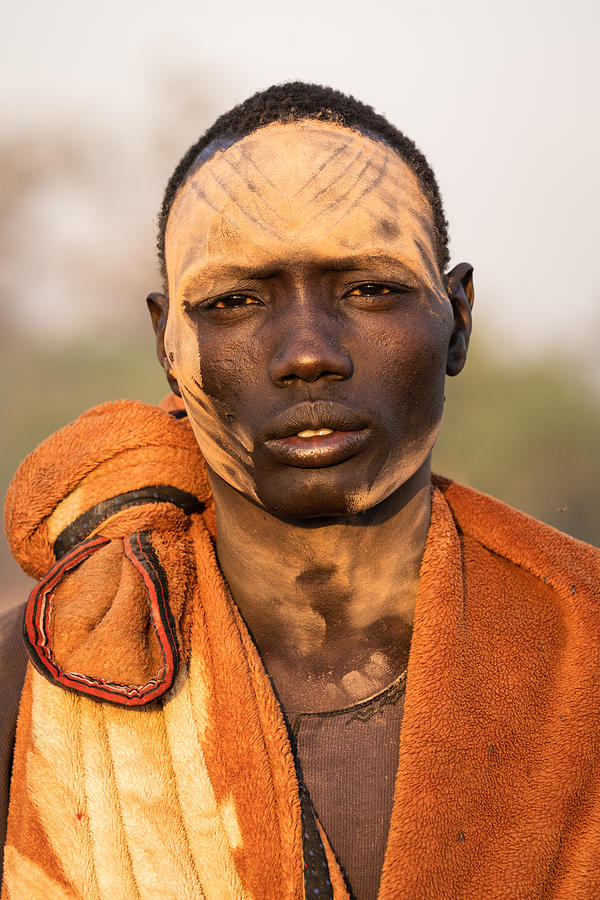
x=195, y=794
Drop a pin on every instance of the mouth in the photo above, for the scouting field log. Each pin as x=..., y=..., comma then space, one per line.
x=316, y=435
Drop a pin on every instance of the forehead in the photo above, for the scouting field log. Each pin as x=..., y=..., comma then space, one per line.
x=304, y=189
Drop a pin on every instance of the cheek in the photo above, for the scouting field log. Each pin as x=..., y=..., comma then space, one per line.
x=202, y=376
x=414, y=370
x=226, y=376
x=420, y=349
x=182, y=348
x=426, y=362
x=214, y=377
x=233, y=372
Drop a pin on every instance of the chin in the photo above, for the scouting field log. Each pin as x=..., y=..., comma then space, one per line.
x=310, y=507
x=319, y=495
x=301, y=493
x=351, y=488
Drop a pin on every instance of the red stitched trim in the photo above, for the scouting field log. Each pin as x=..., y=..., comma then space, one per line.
x=153, y=579
x=38, y=617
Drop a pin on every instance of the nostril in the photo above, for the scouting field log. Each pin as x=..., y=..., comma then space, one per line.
x=330, y=376
x=287, y=371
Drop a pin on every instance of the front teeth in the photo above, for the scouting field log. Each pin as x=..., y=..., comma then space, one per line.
x=320, y=433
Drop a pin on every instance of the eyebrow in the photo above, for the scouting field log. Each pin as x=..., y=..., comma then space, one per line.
x=353, y=263
x=226, y=273
x=229, y=272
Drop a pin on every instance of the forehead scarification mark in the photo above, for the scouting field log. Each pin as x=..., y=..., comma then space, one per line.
x=423, y=250
x=189, y=258
x=369, y=187
x=423, y=219
x=365, y=190
x=229, y=193
x=338, y=200
x=200, y=193
x=257, y=196
x=234, y=225
x=323, y=165
x=338, y=177
x=247, y=157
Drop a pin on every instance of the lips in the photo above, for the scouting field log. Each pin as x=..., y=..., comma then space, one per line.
x=313, y=417
x=316, y=435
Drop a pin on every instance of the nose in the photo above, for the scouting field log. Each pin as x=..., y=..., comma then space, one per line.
x=309, y=349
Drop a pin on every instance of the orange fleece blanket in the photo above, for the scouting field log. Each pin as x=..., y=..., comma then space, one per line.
x=152, y=757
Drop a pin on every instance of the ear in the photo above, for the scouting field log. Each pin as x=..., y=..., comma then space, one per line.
x=158, y=306
x=459, y=284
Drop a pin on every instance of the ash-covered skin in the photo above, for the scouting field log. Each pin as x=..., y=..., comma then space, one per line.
x=302, y=269
x=290, y=200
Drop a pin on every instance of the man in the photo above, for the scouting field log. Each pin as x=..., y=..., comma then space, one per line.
x=228, y=644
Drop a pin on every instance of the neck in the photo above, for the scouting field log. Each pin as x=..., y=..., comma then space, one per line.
x=330, y=602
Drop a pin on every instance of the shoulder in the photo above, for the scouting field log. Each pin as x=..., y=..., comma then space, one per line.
x=118, y=460
x=104, y=507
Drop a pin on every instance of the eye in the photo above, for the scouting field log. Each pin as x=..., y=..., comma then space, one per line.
x=370, y=289
x=233, y=301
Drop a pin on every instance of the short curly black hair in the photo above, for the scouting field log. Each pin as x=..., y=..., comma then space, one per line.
x=292, y=102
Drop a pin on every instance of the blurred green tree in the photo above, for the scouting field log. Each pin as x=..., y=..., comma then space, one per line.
x=527, y=432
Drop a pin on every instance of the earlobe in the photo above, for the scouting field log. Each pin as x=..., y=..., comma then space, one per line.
x=459, y=284
x=158, y=307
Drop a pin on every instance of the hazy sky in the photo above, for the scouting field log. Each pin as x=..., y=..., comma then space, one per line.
x=502, y=98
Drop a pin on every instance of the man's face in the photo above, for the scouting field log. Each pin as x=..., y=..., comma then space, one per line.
x=308, y=324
